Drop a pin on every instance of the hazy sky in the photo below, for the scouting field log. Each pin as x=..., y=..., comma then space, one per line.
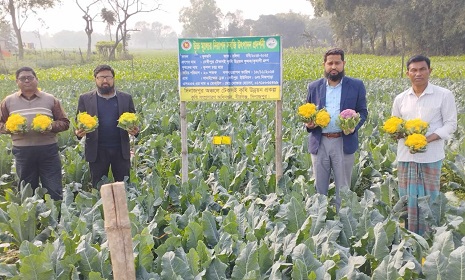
x=67, y=16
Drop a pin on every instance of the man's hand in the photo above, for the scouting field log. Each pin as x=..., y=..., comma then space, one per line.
x=432, y=137
x=310, y=125
x=133, y=131
x=348, y=131
x=48, y=129
x=80, y=133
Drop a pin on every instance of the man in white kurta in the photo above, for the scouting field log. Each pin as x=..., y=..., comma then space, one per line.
x=419, y=173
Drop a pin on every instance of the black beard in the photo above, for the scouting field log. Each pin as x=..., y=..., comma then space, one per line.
x=336, y=77
x=105, y=90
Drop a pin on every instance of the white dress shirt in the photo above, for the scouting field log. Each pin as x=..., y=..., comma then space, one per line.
x=436, y=105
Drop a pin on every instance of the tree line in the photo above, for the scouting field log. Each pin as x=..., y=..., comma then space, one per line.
x=204, y=19
x=435, y=27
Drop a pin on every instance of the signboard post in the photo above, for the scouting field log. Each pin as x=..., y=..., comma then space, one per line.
x=230, y=69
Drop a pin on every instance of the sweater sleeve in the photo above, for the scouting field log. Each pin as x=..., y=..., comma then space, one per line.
x=60, y=120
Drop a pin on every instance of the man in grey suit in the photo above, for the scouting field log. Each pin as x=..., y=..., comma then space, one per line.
x=108, y=145
x=332, y=148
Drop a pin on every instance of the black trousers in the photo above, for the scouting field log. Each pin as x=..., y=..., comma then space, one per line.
x=40, y=163
x=107, y=157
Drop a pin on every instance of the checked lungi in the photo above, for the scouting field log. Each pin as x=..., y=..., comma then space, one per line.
x=417, y=180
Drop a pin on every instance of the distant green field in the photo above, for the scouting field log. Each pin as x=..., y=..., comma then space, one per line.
x=298, y=64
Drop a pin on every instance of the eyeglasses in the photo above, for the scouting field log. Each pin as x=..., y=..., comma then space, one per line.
x=101, y=78
x=26, y=78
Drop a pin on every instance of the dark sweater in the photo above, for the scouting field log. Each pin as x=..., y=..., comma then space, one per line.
x=108, y=132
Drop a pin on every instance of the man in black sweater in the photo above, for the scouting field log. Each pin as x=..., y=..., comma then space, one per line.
x=108, y=145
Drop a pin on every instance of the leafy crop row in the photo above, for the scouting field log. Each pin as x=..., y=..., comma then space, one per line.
x=231, y=220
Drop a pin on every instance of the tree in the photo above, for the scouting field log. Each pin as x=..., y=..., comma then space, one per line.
x=89, y=28
x=6, y=34
x=234, y=24
x=162, y=33
x=123, y=10
x=318, y=32
x=435, y=27
x=201, y=19
x=144, y=36
x=291, y=27
x=109, y=18
x=20, y=10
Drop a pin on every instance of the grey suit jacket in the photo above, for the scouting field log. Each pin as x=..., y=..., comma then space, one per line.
x=88, y=103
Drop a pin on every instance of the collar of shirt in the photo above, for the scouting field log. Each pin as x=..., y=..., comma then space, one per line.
x=333, y=106
x=338, y=85
x=34, y=95
x=106, y=96
x=428, y=90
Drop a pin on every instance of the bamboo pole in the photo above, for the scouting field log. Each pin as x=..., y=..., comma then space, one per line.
x=279, y=141
x=118, y=229
x=184, y=152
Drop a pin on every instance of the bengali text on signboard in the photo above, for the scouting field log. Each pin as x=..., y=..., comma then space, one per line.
x=230, y=69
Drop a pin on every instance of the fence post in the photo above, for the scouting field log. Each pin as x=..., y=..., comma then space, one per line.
x=118, y=229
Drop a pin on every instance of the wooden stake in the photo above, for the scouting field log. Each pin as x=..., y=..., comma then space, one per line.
x=118, y=229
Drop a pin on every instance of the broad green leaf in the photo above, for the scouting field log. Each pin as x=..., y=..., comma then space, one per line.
x=265, y=260
x=278, y=268
x=425, y=212
x=241, y=219
x=456, y=265
x=351, y=200
x=224, y=176
x=351, y=269
x=170, y=244
x=300, y=270
x=95, y=276
x=193, y=260
x=241, y=172
x=36, y=267
x=407, y=271
x=368, y=220
x=4, y=218
x=327, y=235
x=289, y=242
x=293, y=215
x=192, y=234
x=439, y=208
x=349, y=222
x=191, y=214
x=435, y=266
x=23, y=221
x=317, y=209
x=302, y=253
x=224, y=246
x=144, y=257
x=216, y=270
x=380, y=248
x=92, y=259
x=8, y=270
x=443, y=242
x=246, y=261
x=386, y=270
x=229, y=224
x=174, y=267
x=205, y=255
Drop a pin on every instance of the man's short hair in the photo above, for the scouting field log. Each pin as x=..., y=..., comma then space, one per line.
x=22, y=69
x=103, y=67
x=334, y=51
x=419, y=58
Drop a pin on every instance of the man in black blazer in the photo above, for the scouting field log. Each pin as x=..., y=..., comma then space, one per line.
x=333, y=149
x=108, y=145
